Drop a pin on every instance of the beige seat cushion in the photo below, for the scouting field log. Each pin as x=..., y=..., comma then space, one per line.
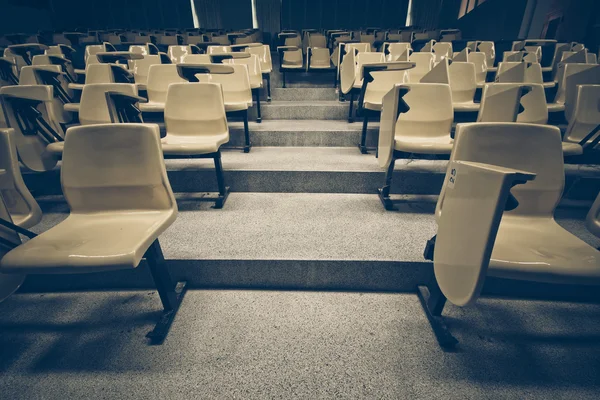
x=434, y=145
x=174, y=144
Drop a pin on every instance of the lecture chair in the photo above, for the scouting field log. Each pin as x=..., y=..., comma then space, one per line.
x=114, y=220
x=502, y=102
x=9, y=237
x=141, y=68
x=408, y=125
x=351, y=78
x=396, y=51
x=235, y=84
x=481, y=67
x=521, y=72
x=266, y=64
x=218, y=49
x=160, y=76
x=378, y=80
x=424, y=63
x=20, y=204
x=66, y=65
x=178, y=53
x=318, y=59
x=463, y=83
x=570, y=76
x=506, y=231
x=584, y=125
x=252, y=64
x=291, y=59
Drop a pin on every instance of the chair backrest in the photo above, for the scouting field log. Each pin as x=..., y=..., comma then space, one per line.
x=317, y=40
x=574, y=57
x=533, y=73
x=574, y=75
x=489, y=49
x=236, y=86
x=421, y=120
x=264, y=55
x=512, y=56
x=195, y=109
x=254, y=70
x=91, y=50
x=196, y=59
x=28, y=77
x=159, y=79
x=586, y=113
x=99, y=73
x=424, y=63
x=524, y=147
x=367, y=38
x=462, y=81
x=218, y=49
x=383, y=82
x=397, y=51
x=534, y=105
x=500, y=102
x=511, y=72
x=31, y=148
x=178, y=53
x=139, y=49
x=169, y=40
x=592, y=221
x=140, y=68
x=361, y=47
x=481, y=66
x=24, y=210
x=367, y=58
x=592, y=58
x=442, y=50
x=93, y=107
x=115, y=167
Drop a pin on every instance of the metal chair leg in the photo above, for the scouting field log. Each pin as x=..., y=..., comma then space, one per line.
x=223, y=190
x=171, y=294
x=351, y=110
x=363, y=137
x=246, y=133
x=268, y=78
x=283, y=76
x=433, y=302
x=384, y=192
x=257, y=95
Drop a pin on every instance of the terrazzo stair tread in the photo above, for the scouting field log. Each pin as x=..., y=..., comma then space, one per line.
x=300, y=240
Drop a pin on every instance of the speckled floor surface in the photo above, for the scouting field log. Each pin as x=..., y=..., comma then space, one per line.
x=256, y=344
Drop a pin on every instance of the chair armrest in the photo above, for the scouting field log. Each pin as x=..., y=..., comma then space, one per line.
x=189, y=71
x=475, y=198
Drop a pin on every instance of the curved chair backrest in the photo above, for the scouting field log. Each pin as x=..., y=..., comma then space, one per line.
x=254, y=70
x=93, y=107
x=264, y=55
x=196, y=59
x=31, y=148
x=586, y=113
x=420, y=120
x=500, y=102
x=361, y=47
x=383, y=82
x=222, y=40
x=159, y=79
x=169, y=40
x=398, y=51
x=533, y=73
x=28, y=77
x=92, y=49
x=139, y=49
x=317, y=40
x=125, y=173
x=592, y=221
x=24, y=210
x=367, y=58
x=591, y=58
x=424, y=63
x=481, y=66
x=574, y=75
x=442, y=50
x=218, y=49
x=18, y=60
x=141, y=67
x=462, y=81
x=524, y=147
x=195, y=109
x=511, y=72
x=236, y=86
x=489, y=49
x=535, y=107
x=178, y=53
x=99, y=73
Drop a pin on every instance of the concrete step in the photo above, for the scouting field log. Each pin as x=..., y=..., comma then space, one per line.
x=287, y=240
x=307, y=110
x=315, y=170
x=302, y=133
x=303, y=94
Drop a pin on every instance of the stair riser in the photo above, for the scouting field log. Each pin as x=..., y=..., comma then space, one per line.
x=281, y=110
x=302, y=139
x=303, y=94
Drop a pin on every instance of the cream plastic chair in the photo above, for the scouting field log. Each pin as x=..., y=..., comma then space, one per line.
x=159, y=79
x=591, y=58
x=93, y=108
x=585, y=121
x=237, y=93
x=574, y=75
x=140, y=69
x=362, y=59
x=97, y=73
x=291, y=59
x=489, y=49
x=351, y=79
x=197, y=126
x=396, y=51
x=424, y=63
x=22, y=103
x=22, y=207
x=524, y=242
x=481, y=67
x=500, y=102
x=513, y=56
x=592, y=221
x=113, y=222
x=252, y=64
x=9, y=238
x=139, y=49
x=408, y=125
x=28, y=76
x=442, y=51
x=178, y=53
x=463, y=84
x=378, y=80
x=196, y=59
x=266, y=64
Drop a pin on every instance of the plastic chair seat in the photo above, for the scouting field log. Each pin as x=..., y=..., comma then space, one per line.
x=152, y=106
x=466, y=106
x=373, y=105
x=104, y=241
x=174, y=144
x=56, y=148
x=556, y=107
x=429, y=145
x=287, y=65
x=572, y=149
x=238, y=106
x=72, y=107
x=539, y=249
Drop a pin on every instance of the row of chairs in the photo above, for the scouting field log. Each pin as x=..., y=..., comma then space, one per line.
x=488, y=225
